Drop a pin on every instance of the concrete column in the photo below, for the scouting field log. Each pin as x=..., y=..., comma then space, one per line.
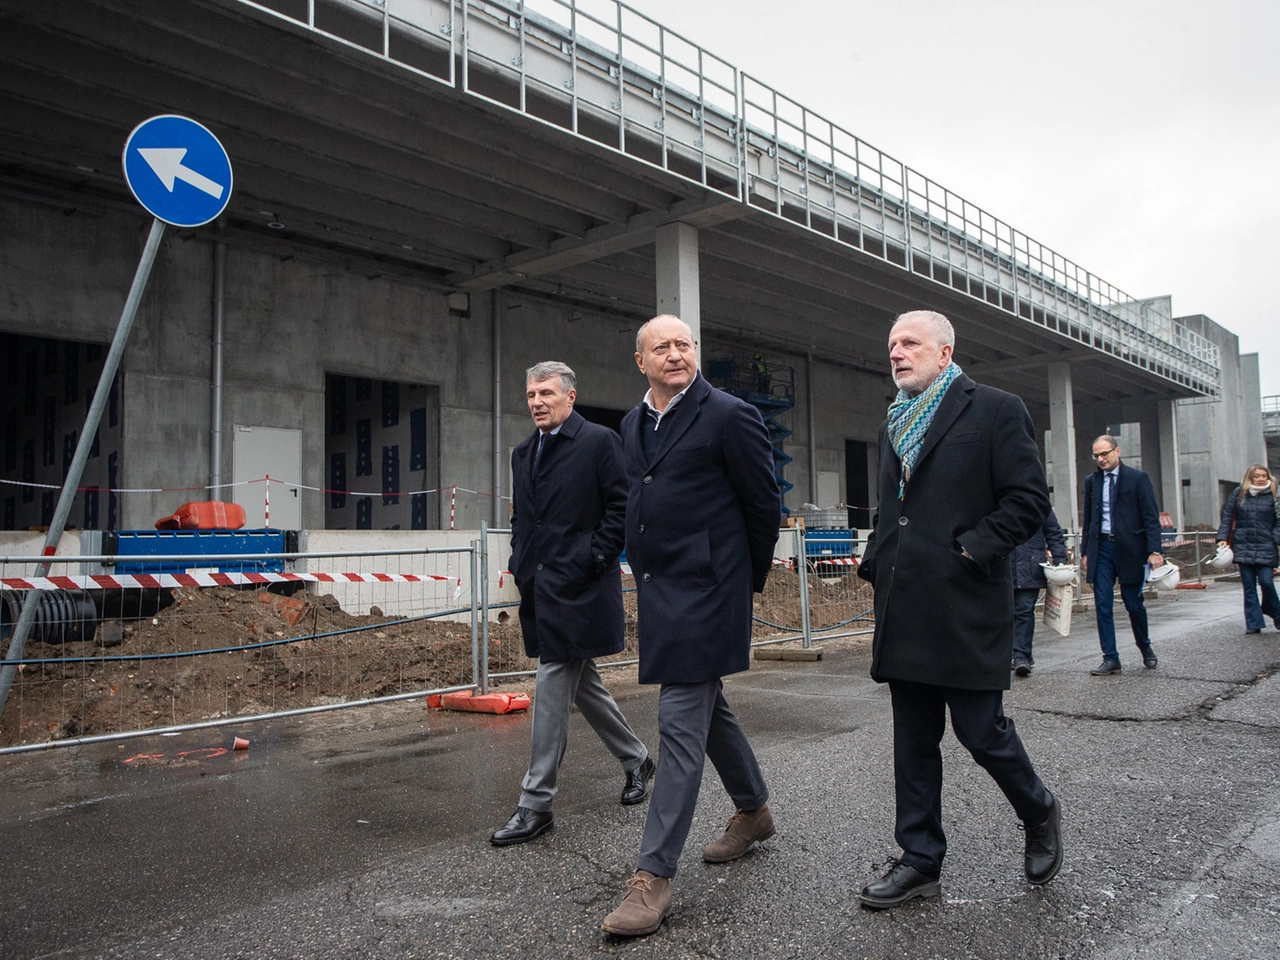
x=1170, y=460
x=1062, y=431
x=676, y=256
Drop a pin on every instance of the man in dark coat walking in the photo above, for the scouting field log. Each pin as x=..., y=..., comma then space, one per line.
x=570, y=496
x=1120, y=536
x=960, y=485
x=1028, y=581
x=703, y=513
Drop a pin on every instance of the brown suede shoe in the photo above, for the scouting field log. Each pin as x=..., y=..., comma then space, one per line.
x=745, y=828
x=641, y=911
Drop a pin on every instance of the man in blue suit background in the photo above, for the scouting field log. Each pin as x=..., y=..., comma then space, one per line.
x=703, y=512
x=1121, y=535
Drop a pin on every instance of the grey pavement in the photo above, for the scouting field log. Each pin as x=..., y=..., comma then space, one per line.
x=364, y=833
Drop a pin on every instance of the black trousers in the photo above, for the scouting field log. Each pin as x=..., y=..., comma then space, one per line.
x=977, y=717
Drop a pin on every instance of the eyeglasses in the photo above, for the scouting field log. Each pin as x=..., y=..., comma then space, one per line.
x=1104, y=455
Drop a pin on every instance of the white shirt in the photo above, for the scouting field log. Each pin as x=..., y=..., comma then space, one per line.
x=657, y=414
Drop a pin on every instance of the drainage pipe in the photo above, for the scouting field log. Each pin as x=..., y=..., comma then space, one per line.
x=813, y=443
x=215, y=414
x=498, y=519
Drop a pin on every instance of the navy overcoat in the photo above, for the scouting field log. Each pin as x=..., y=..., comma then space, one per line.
x=978, y=485
x=566, y=535
x=702, y=518
x=1135, y=523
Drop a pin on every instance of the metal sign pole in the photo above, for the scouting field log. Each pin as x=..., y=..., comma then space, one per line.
x=22, y=629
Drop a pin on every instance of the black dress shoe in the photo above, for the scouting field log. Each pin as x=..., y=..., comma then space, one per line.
x=900, y=884
x=1106, y=668
x=1149, y=658
x=1021, y=668
x=1044, y=847
x=525, y=824
x=637, y=786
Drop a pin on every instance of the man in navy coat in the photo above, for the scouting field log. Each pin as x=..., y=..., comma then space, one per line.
x=960, y=485
x=566, y=533
x=703, y=512
x=1121, y=535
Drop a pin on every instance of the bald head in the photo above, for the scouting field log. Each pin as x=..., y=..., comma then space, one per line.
x=667, y=356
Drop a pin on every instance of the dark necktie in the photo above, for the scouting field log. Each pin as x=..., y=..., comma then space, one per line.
x=537, y=457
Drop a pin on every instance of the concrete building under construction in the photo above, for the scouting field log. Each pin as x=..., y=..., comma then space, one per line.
x=432, y=195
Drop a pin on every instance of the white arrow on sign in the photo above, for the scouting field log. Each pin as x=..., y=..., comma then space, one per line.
x=167, y=164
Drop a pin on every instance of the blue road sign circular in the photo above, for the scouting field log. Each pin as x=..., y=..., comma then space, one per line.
x=178, y=170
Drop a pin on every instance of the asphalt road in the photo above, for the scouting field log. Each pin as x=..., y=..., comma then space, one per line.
x=364, y=833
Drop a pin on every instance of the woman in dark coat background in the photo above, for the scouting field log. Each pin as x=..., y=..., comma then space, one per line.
x=1251, y=527
x=1028, y=581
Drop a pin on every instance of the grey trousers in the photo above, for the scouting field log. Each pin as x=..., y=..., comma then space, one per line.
x=559, y=686
x=694, y=723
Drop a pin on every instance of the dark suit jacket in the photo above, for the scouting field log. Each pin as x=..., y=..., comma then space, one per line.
x=566, y=534
x=978, y=485
x=1135, y=522
x=702, y=517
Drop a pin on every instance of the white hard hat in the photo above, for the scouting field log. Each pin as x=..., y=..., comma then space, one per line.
x=1165, y=576
x=1060, y=573
x=1223, y=558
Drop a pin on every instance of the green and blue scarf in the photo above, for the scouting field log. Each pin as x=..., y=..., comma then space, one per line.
x=910, y=417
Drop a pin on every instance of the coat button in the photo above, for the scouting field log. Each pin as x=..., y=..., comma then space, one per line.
x=902, y=521
x=645, y=578
x=642, y=528
x=538, y=524
x=539, y=566
x=648, y=479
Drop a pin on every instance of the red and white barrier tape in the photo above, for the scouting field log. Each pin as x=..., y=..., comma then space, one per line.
x=837, y=561
x=135, y=581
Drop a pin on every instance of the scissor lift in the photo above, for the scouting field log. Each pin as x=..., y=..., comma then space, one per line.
x=771, y=391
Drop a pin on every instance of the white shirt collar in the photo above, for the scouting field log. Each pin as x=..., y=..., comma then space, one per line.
x=659, y=414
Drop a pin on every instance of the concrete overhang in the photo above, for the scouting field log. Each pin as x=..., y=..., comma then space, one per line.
x=343, y=153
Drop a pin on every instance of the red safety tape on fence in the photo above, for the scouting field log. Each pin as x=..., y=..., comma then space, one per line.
x=145, y=581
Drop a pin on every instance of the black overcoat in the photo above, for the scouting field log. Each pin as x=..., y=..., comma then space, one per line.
x=978, y=485
x=566, y=535
x=702, y=518
x=1135, y=523
x=1257, y=528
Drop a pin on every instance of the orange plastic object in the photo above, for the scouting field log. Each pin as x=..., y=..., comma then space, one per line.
x=207, y=515
x=485, y=702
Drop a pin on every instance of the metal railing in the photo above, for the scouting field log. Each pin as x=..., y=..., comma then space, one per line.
x=1271, y=416
x=603, y=71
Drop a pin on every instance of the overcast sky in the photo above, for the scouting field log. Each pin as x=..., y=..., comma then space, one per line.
x=1139, y=139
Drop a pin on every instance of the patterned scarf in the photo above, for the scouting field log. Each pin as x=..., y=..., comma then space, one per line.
x=910, y=417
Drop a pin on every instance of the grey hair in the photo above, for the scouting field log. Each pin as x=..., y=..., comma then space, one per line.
x=645, y=326
x=552, y=368
x=943, y=332
x=1108, y=439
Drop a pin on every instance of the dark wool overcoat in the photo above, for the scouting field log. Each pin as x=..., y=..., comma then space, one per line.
x=703, y=513
x=1135, y=523
x=1257, y=528
x=978, y=485
x=566, y=535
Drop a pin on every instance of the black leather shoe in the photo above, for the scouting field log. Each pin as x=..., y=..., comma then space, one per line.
x=524, y=825
x=1021, y=668
x=637, y=786
x=1106, y=668
x=900, y=884
x=1149, y=658
x=1044, y=847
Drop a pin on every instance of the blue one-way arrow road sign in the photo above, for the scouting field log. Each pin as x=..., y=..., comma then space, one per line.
x=178, y=170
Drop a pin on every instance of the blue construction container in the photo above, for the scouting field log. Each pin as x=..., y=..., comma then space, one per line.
x=194, y=544
x=827, y=544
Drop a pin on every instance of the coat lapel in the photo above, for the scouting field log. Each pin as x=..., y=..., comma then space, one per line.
x=953, y=402
x=682, y=419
